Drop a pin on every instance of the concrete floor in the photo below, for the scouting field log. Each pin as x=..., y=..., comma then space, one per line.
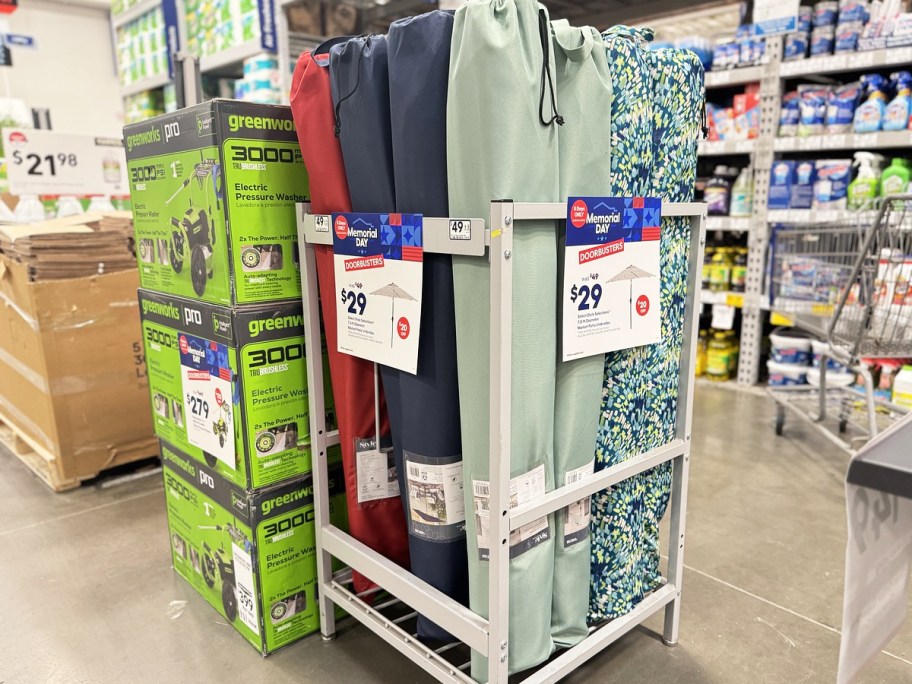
x=87, y=593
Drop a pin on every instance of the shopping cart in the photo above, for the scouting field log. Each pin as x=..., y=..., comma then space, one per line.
x=846, y=282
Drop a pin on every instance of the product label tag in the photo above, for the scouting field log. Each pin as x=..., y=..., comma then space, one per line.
x=321, y=223
x=772, y=17
x=612, y=275
x=577, y=514
x=523, y=488
x=377, y=477
x=378, y=267
x=43, y=162
x=460, y=229
x=436, y=501
x=206, y=381
x=246, y=597
x=723, y=316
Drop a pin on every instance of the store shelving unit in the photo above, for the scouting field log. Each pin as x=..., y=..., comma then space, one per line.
x=728, y=223
x=768, y=146
x=230, y=60
x=134, y=12
x=159, y=81
x=490, y=636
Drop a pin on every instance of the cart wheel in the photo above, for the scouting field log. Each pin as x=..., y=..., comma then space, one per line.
x=780, y=422
x=198, y=270
x=229, y=601
x=209, y=570
x=843, y=426
x=211, y=460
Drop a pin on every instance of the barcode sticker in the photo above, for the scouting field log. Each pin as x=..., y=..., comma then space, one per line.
x=436, y=497
x=523, y=489
x=376, y=470
x=246, y=598
x=577, y=514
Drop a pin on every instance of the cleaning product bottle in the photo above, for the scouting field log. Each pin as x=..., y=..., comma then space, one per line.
x=869, y=115
x=739, y=270
x=896, y=115
x=702, y=341
x=902, y=387
x=742, y=194
x=720, y=274
x=866, y=186
x=895, y=179
x=718, y=354
x=707, y=266
x=717, y=194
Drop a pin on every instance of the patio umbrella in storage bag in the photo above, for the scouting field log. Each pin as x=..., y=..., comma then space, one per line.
x=426, y=428
x=584, y=100
x=380, y=523
x=640, y=393
x=502, y=143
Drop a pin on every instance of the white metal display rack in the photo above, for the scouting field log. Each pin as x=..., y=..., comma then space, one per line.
x=489, y=636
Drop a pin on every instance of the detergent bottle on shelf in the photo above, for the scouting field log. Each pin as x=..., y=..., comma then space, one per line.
x=866, y=187
x=718, y=353
x=896, y=115
x=895, y=179
x=742, y=194
x=869, y=115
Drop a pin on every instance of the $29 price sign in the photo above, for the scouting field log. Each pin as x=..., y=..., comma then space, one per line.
x=611, y=275
x=378, y=264
x=47, y=163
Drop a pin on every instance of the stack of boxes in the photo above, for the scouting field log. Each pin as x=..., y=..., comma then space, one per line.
x=214, y=190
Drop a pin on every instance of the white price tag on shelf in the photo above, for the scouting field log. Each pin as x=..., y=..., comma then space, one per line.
x=723, y=317
x=837, y=141
x=901, y=55
x=47, y=163
x=861, y=60
x=321, y=223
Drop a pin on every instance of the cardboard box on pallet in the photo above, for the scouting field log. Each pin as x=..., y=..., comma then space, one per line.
x=73, y=381
x=229, y=385
x=251, y=555
x=214, y=189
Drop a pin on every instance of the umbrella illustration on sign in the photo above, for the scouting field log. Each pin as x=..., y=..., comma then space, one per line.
x=394, y=292
x=631, y=273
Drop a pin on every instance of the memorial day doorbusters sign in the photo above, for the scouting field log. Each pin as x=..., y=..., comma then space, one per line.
x=611, y=275
x=378, y=267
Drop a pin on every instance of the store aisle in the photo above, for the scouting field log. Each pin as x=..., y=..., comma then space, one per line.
x=87, y=575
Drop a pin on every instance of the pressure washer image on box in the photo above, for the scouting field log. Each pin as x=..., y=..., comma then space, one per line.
x=147, y=251
x=277, y=439
x=160, y=404
x=262, y=258
x=193, y=232
x=218, y=565
x=288, y=607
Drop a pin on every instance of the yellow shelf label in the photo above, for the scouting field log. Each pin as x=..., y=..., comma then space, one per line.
x=822, y=309
x=779, y=319
x=735, y=300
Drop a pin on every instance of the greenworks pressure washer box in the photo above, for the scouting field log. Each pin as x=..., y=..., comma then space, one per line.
x=229, y=385
x=252, y=555
x=214, y=189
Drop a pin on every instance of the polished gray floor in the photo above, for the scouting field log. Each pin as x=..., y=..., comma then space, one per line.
x=87, y=593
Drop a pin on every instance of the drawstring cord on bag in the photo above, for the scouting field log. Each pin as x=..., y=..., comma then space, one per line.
x=705, y=122
x=544, y=34
x=338, y=109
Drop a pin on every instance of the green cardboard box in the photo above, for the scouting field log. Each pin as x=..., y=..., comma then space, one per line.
x=229, y=385
x=214, y=189
x=251, y=555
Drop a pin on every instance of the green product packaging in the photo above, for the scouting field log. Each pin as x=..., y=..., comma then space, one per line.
x=251, y=555
x=229, y=385
x=895, y=178
x=214, y=189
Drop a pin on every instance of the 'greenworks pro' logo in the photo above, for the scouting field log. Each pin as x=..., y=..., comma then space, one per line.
x=279, y=323
x=269, y=505
x=160, y=309
x=261, y=123
x=181, y=463
x=153, y=135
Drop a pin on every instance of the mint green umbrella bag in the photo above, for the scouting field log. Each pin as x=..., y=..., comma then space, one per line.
x=502, y=143
x=584, y=101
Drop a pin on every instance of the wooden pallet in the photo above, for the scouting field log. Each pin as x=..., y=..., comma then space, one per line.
x=42, y=462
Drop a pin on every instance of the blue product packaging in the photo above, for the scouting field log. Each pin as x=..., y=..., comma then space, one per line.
x=853, y=10
x=847, y=34
x=896, y=115
x=832, y=184
x=826, y=13
x=789, y=115
x=805, y=18
x=822, y=40
x=843, y=102
x=869, y=114
x=802, y=191
x=781, y=178
x=812, y=102
x=796, y=45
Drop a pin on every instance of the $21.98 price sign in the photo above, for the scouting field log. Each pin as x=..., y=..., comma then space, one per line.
x=611, y=275
x=378, y=264
x=47, y=163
